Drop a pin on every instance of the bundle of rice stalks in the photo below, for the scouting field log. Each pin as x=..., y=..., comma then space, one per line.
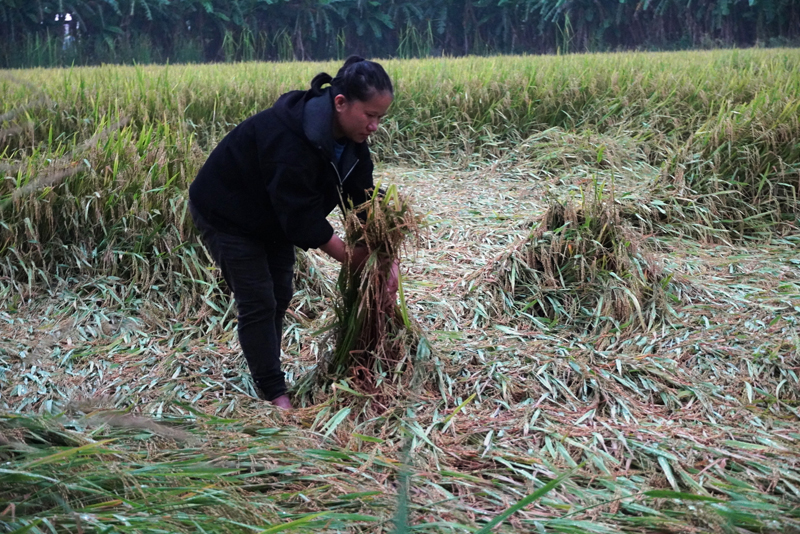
x=376, y=341
x=581, y=266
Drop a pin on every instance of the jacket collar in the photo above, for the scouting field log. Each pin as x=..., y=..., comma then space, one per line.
x=318, y=127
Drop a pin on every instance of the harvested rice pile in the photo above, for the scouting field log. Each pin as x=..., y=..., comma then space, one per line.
x=581, y=266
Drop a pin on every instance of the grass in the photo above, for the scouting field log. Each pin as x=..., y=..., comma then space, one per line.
x=126, y=405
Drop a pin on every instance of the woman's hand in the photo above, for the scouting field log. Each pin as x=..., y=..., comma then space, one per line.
x=336, y=249
x=393, y=280
x=392, y=284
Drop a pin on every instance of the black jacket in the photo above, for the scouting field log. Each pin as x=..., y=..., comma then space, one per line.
x=274, y=177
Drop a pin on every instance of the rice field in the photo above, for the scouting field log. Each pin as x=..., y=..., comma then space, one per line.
x=607, y=285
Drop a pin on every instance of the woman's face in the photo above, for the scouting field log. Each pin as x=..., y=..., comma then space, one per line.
x=358, y=120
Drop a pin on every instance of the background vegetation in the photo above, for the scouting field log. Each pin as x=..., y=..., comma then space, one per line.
x=98, y=160
x=147, y=31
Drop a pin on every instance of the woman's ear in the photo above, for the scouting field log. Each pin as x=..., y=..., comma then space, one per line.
x=339, y=102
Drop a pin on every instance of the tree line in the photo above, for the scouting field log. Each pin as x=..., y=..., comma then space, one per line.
x=53, y=32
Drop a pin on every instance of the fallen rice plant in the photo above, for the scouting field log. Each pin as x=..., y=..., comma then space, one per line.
x=730, y=171
x=312, y=289
x=666, y=424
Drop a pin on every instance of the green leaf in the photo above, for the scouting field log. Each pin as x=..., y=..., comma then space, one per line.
x=544, y=490
x=369, y=439
x=293, y=524
x=668, y=494
x=335, y=421
x=27, y=527
x=457, y=409
x=91, y=448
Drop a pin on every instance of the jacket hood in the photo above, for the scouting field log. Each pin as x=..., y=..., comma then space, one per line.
x=318, y=122
x=309, y=116
x=289, y=109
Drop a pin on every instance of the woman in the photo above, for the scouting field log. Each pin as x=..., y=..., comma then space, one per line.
x=269, y=186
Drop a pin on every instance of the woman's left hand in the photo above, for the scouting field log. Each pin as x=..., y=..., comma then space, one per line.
x=393, y=281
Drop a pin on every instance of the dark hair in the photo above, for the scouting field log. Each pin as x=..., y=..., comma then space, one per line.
x=358, y=79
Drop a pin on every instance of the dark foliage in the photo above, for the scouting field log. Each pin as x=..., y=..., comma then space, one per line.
x=111, y=31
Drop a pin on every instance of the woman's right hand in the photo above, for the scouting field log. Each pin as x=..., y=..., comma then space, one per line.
x=336, y=249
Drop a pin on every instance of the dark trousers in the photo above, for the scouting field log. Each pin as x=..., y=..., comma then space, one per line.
x=260, y=275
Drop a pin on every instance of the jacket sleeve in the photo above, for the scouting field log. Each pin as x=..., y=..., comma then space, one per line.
x=299, y=206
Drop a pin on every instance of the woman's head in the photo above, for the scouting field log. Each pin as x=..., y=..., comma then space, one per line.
x=362, y=92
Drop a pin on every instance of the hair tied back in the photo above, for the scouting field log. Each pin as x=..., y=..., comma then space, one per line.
x=358, y=79
x=319, y=80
